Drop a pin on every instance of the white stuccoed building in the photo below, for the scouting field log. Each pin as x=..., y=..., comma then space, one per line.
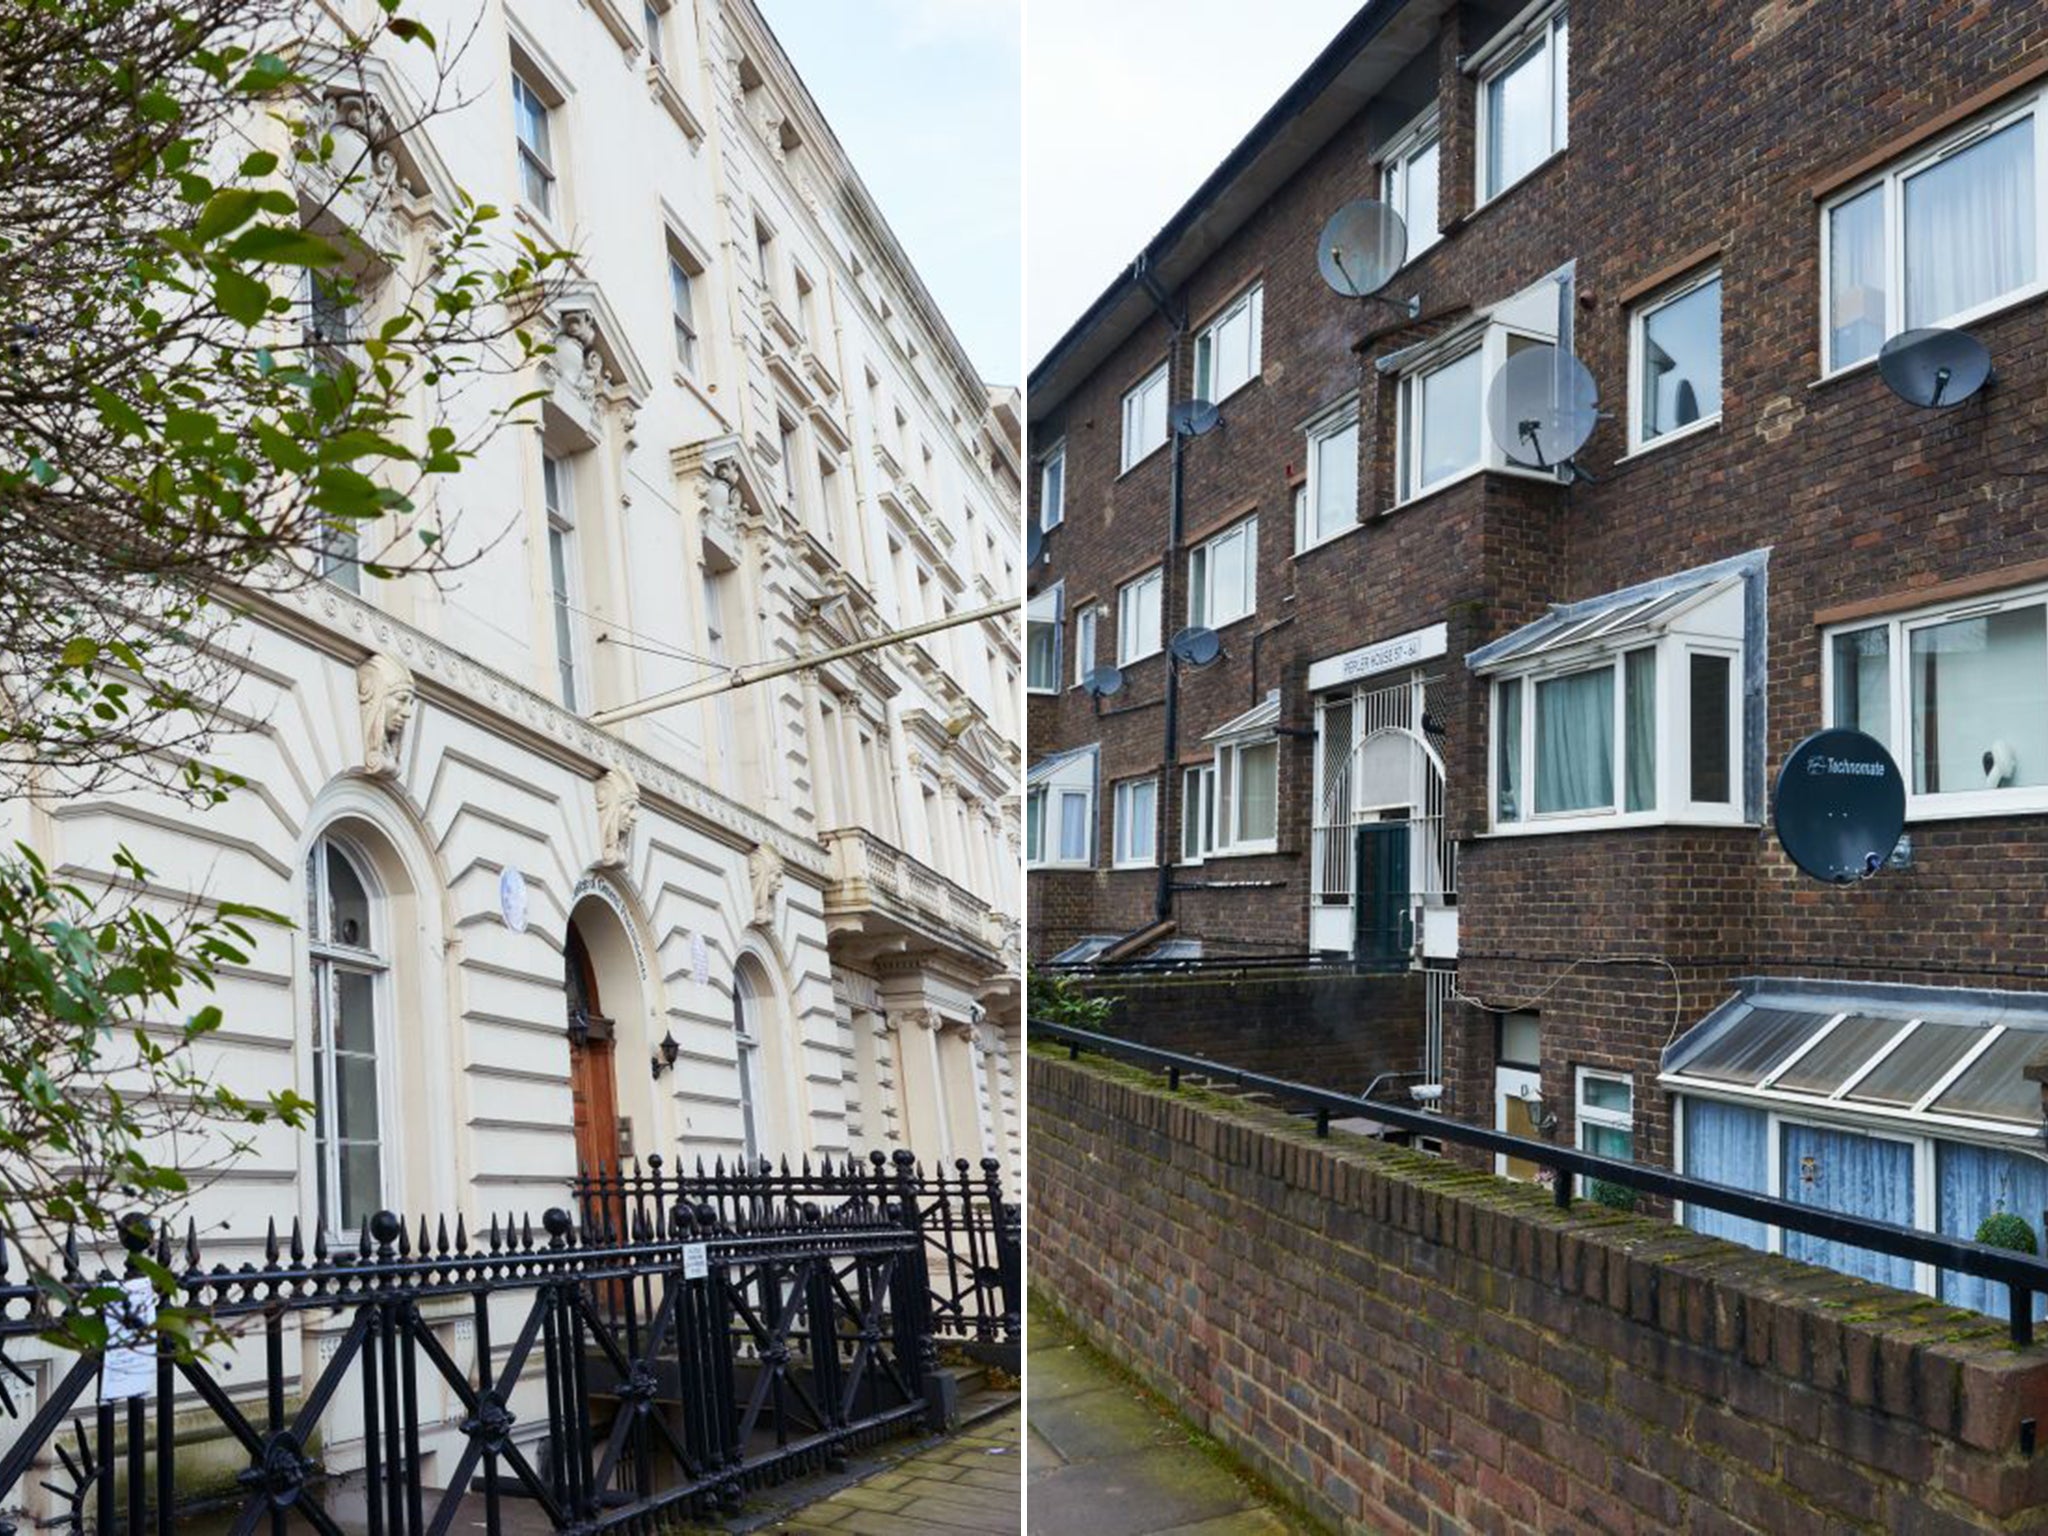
x=759, y=439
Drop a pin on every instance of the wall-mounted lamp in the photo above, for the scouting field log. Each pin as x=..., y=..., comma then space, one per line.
x=665, y=1054
x=1542, y=1121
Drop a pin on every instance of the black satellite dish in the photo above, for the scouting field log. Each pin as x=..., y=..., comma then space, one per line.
x=1934, y=368
x=1034, y=543
x=1103, y=681
x=1839, y=806
x=1541, y=407
x=1193, y=418
x=1362, y=247
x=1197, y=645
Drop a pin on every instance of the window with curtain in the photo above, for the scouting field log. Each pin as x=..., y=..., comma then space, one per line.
x=1966, y=687
x=1604, y=1121
x=1042, y=640
x=1727, y=1144
x=1639, y=722
x=1329, y=503
x=1076, y=817
x=1936, y=239
x=346, y=934
x=1223, y=575
x=1052, y=488
x=1227, y=348
x=1137, y=618
x=1197, y=812
x=1084, y=643
x=1507, y=738
x=1574, y=727
x=1409, y=182
x=1034, y=827
x=1971, y=1183
x=1524, y=108
x=1135, y=805
x=1246, y=804
x=1145, y=417
x=1858, y=1175
x=1676, y=373
x=1440, y=431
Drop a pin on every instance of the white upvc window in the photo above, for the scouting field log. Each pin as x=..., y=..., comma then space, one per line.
x=1086, y=617
x=1227, y=348
x=1409, y=180
x=1135, y=803
x=530, y=122
x=558, y=491
x=1138, y=618
x=1604, y=1120
x=1223, y=576
x=1675, y=361
x=1634, y=731
x=1057, y=824
x=1145, y=417
x=1042, y=640
x=1440, y=413
x=1197, y=812
x=1940, y=238
x=1244, y=797
x=1958, y=695
x=1052, y=488
x=1524, y=104
x=1328, y=505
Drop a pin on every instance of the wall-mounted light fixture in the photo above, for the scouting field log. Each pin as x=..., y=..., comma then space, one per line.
x=1542, y=1120
x=665, y=1054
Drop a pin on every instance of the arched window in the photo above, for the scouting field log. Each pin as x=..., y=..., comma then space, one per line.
x=346, y=936
x=747, y=1043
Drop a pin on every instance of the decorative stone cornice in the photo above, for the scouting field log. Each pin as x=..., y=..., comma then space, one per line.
x=345, y=626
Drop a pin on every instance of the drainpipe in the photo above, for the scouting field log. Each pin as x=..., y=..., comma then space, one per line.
x=1177, y=320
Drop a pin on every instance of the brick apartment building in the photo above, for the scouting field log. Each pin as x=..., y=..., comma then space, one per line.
x=1555, y=706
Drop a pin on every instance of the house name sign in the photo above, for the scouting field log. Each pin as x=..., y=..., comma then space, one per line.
x=1367, y=660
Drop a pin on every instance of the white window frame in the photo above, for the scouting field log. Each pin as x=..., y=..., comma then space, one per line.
x=1252, y=304
x=1671, y=802
x=1586, y=1115
x=1943, y=805
x=1052, y=798
x=1892, y=179
x=537, y=159
x=1087, y=618
x=1341, y=418
x=1130, y=646
x=688, y=337
x=1046, y=608
x=1202, y=593
x=1396, y=160
x=1125, y=826
x=327, y=956
x=1516, y=43
x=1198, y=792
x=1052, y=487
x=1135, y=450
x=1492, y=347
x=565, y=585
x=1638, y=333
x=1226, y=839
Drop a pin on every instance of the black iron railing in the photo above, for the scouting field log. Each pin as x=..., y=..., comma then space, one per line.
x=600, y=1379
x=972, y=1233
x=1206, y=965
x=2023, y=1275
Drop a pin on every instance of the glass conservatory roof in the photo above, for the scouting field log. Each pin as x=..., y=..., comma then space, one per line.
x=1940, y=1055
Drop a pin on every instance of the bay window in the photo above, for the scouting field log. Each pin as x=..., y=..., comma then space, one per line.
x=1042, y=615
x=1441, y=434
x=1135, y=803
x=1227, y=348
x=1958, y=695
x=1137, y=618
x=1523, y=104
x=1675, y=362
x=1625, y=710
x=1409, y=181
x=1144, y=417
x=1328, y=504
x=1059, y=811
x=1223, y=576
x=1937, y=239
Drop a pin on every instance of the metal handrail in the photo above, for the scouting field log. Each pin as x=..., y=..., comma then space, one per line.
x=1202, y=965
x=2023, y=1275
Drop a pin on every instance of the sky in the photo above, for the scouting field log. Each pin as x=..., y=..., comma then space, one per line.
x=1128, y=105
x=926, y=98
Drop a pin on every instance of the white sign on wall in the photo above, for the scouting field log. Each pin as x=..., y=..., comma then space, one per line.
x=512, y=899
x=700, y=960
x=1383, y=656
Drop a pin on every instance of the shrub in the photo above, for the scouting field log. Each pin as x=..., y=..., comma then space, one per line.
x=2007, y=1229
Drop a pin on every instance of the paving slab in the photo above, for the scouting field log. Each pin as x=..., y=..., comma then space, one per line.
x=1105, y=1458
x=968, y=1485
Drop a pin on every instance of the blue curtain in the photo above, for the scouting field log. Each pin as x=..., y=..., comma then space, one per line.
x=1575, y=742
x=1971, y=1183
x=1728, y=1144
x=1858, y=1176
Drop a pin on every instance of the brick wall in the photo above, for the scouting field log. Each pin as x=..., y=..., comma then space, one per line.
x=1406, y=1345
x=1336, y=1031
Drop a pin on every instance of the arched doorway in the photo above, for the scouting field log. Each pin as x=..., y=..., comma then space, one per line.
x=593, y=1043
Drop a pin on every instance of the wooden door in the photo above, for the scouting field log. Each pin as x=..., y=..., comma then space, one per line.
x=593, y=1086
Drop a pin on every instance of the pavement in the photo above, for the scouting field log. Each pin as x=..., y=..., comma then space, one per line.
x=967, y=1485
x=1103, y=1457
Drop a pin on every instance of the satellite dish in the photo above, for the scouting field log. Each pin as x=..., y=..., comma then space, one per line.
x=1196, y=645
x=1934, y=368
x=1103, y=681
x=1362, y=247
x=1839, y=806
x=1034, y=543
x=1541, y=407
x=1194, y=418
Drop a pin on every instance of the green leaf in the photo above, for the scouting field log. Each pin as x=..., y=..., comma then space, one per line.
x=242, y=298
x=411, y=31
x=80, y=651
x=278, y=246
x=225, y=212
x=266, y=72
x=262, y=163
